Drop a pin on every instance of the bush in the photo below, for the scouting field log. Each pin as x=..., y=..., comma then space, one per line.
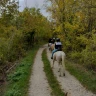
x=86, y=58
x=3, y=50
x=76, y=56
x=89, y=59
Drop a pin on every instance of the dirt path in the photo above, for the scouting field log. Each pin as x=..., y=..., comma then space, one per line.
x=38, y=82
x=69, y=83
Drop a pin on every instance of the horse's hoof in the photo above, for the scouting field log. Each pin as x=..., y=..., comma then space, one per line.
x=63, y=74
x=59, y=75
x=66, y=94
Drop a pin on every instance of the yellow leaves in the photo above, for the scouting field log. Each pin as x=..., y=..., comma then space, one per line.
x=83, y=40
x=71, y=27
x=94, y=38
x=62, y=37
x=58, y=29
x=68, y=25
x=80, y=15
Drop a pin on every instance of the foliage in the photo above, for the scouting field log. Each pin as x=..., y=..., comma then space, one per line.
x=89, y=59
x=74, y=22
x=86, y=56
x=19, y=78
x=19, y=31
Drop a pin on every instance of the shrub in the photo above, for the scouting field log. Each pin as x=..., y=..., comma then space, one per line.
x=76, y=56
x=89, y=59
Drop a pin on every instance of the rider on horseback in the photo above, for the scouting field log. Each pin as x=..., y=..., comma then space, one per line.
x=58, y=47
x=53, y=40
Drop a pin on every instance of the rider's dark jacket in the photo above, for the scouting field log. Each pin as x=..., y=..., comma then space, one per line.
x=58, y=45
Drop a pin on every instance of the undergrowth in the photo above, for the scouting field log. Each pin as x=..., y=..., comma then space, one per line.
x=18, y=81
x=86, y=77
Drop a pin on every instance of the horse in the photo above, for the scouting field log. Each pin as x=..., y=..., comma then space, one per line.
x=59, y=56
x=51, y=47
x=49, y=44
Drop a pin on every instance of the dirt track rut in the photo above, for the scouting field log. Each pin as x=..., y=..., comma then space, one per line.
x=38, y=82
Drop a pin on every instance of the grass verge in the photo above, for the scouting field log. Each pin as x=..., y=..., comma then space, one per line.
x=86, y=77
x=56, y=89
x=18, y=81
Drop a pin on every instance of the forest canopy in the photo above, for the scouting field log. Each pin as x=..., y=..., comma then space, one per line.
x=20, y=30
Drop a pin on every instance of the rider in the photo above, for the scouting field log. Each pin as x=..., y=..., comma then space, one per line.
x=50, y=40
x=53, y=40
x=58, y=47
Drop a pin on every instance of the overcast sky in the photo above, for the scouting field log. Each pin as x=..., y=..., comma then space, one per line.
x=33, y=3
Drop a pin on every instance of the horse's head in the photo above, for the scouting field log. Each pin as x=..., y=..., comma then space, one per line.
x=52, y=47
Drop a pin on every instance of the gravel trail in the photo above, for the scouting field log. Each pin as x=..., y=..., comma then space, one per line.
x=69, y=83
x=39, y=85
x=38, y=81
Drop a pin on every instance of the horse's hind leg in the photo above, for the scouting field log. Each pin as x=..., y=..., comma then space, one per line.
x=62, y=70
x=63, y=74
x=59, y=67
x=53, y=64
x=63, y=66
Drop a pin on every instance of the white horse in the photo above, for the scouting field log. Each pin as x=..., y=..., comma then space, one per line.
x=59, y=56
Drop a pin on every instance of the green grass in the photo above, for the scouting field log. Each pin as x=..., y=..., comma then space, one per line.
x=56, y=89
x=86, y=77
x=18, y=81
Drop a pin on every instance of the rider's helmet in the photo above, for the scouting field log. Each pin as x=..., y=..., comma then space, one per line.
x=57, y=39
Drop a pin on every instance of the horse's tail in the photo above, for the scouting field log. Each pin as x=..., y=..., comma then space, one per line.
x=63, y=62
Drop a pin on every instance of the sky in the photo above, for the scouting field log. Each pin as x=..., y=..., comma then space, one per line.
x=33, y=3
